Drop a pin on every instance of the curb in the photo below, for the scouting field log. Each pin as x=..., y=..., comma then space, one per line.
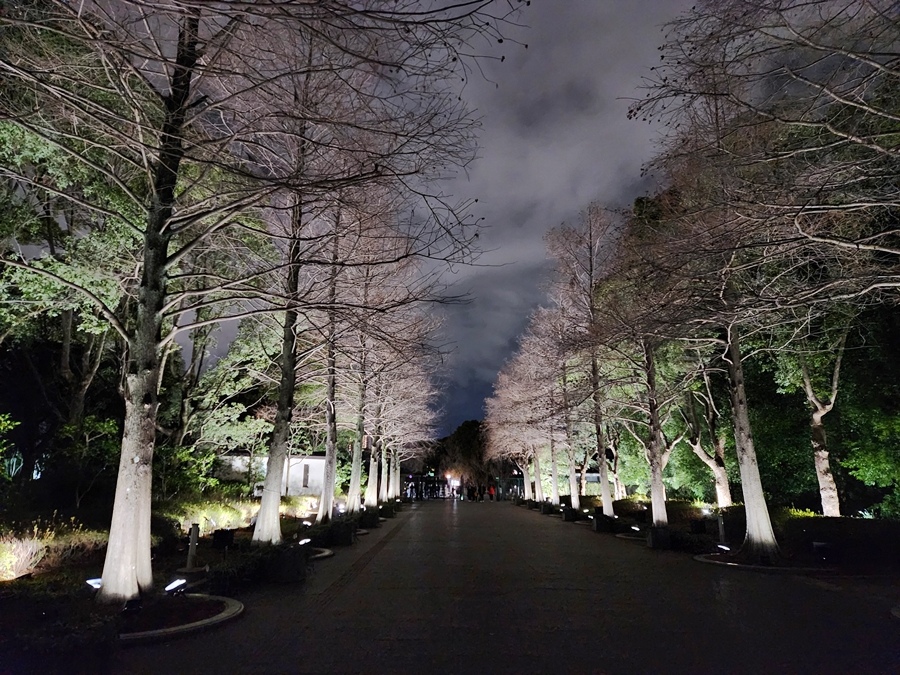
x=710, y=559
x=233, y=609
x=321, y=554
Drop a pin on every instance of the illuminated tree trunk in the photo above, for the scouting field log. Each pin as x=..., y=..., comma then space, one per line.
x=127, y=569
x=657, y=454
x=759, y=542
x=831, y=504
x=526, y=480
x=605, y=496
x=268, y=520
x=395, y=476
x=715, y=461
x=573, y=480
x=570, y=441
x=371, y=500
x=716, y=464
x=538, y=488
x=385, y=474
x=326, y=502
x=554, y=474
x=389, y=475
x=353, y=493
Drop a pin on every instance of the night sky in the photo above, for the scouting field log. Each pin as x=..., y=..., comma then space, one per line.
x=554, y=138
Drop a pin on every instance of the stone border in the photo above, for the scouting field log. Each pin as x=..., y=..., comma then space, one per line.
x=321, y=554
x=710, y=559
x=233, y=609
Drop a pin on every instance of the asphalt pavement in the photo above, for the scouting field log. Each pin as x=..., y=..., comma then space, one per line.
x=462, y=587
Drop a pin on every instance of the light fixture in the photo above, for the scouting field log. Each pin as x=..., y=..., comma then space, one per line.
x=94, y=583
x=174, y=587
x=303, y=542
x=723, y=547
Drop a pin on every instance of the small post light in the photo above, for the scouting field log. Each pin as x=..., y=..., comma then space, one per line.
x=192, y=547
x=94, y=583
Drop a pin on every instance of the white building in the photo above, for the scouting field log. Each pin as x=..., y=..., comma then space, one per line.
x=302, y=475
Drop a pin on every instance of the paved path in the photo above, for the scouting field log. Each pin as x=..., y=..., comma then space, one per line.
x=450, y=587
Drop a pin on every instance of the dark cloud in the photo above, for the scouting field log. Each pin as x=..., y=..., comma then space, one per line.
x=554, y=138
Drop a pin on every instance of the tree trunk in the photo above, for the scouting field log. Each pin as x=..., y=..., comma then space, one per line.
x=759, y=542
x=538, y=488
x=831, y=504
x=573, y=481
x=605, y=497
x=371, y=500
x=385, y=474
x=396, y=492
x=554, y=474
x=326, y=501
x=127, y=569
x=526, y=480
x=715, y=464
x=268, y=520
x=619, y=490
x=353, y=493
x=656, y=448
x=723, y=489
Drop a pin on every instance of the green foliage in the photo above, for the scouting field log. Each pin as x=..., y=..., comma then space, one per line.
x=8, y=460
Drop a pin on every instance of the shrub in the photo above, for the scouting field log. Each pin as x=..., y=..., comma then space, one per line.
x=49, y=543
x=210, y=515
x=691, y=543
x=19, y=555
x=633, y=506
x=73, y=546
x=682, y=511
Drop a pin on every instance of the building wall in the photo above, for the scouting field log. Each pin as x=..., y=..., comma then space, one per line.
x=302, y=475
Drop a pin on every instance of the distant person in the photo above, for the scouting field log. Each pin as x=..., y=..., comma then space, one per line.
x=491, y=492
